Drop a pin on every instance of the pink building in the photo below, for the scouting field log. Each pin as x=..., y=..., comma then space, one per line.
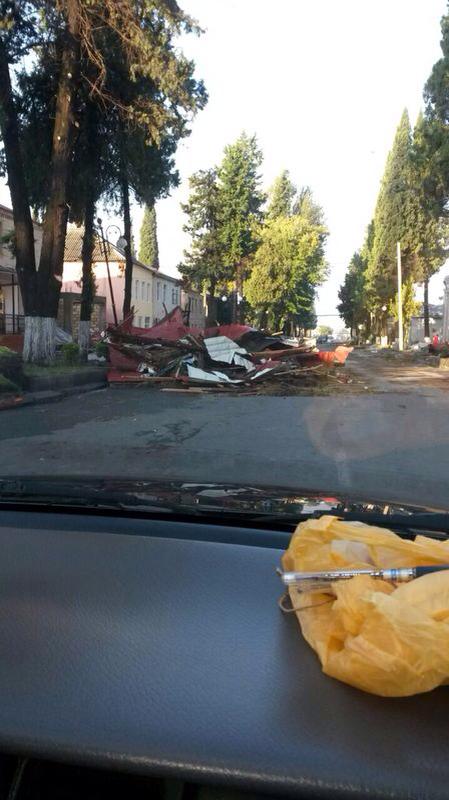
x=153, y=293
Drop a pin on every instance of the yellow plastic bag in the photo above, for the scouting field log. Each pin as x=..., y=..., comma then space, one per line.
x=385, y=640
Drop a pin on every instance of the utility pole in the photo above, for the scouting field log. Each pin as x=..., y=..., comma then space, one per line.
x=105, y=252
x=401, y=331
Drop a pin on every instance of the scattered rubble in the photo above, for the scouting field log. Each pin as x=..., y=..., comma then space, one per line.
x=228, y=358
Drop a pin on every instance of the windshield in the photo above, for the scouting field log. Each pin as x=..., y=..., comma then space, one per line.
x=223, y=253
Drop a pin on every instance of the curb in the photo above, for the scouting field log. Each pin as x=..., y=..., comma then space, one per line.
x=39, y=398
x=61, y=382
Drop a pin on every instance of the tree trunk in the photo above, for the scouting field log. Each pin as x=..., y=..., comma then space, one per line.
x=51, y=260
x=40, y=289
x=426, y=308
x=88, y=279
x=262, y=321
x=211, y=305
x=84, y=338
x=128, y=255
x=39, y=339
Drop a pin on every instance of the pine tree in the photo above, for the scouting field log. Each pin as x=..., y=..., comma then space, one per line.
x=204, y=266
x=241, y=199
x=281, y=196
x=148, y=249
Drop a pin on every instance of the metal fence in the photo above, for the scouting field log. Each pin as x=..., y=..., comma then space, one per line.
x=12, y=323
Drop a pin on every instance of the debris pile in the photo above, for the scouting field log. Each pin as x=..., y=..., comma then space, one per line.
x=229, y=357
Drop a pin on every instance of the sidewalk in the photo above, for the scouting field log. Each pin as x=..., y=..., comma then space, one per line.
x=48, y=388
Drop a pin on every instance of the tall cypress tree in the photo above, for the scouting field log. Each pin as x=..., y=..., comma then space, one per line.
x=352, y=305
x=431, y=146
x=394, y=221
x=431, y=225
x=149, y=249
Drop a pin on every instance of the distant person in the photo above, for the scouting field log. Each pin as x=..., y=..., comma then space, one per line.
x=435, y=339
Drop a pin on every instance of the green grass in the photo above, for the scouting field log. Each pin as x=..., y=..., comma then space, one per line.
x=7, y=386
x=32, y=370
x=5, y=351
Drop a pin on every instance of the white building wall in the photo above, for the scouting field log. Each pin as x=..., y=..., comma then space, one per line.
x=166, y=290
x=142, y=296
x=73, y=271
x=7, y=260
x=141, y=289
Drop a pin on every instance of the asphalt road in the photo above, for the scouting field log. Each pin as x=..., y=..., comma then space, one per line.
x=392, y=446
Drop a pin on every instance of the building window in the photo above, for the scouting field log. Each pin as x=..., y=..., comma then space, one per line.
x=148, y=292
x=137, y=290
x=147, y=322
x=164, y=291
x=143, y=291
x=139, y=322
x=173, y=297
x=158, y=292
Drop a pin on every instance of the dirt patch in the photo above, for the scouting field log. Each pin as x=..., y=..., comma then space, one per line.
x=389, y=371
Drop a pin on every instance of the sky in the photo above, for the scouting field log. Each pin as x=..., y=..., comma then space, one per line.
x=322, y=84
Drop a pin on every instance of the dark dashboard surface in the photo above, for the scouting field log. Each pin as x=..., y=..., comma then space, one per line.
x=171, y=657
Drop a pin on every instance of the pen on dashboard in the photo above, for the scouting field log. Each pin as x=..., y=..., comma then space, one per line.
x=321, y=581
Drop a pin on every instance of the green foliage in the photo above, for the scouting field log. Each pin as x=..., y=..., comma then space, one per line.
x=131, y=99
x=148, y=249
x=281, y=262
x=287, y=267
x=102, y=350
x=352, y=294
x=70, y=353
x=240, y=198
x=204, y=264
x=306, y=206
x=136, y=122
x=7, y=386
x=431, y=231
x=436, y=91
x=281, y=196
x=8, y=240
x=410, y=307
x=324, y=330
x=5, y=352
x=395, y=218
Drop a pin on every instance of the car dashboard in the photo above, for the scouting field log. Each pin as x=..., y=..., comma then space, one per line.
x=150, y=656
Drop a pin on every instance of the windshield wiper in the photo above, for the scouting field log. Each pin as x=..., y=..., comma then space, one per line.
x=68, y=495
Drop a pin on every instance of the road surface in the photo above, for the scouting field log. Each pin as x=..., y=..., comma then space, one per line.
x=388, y=445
